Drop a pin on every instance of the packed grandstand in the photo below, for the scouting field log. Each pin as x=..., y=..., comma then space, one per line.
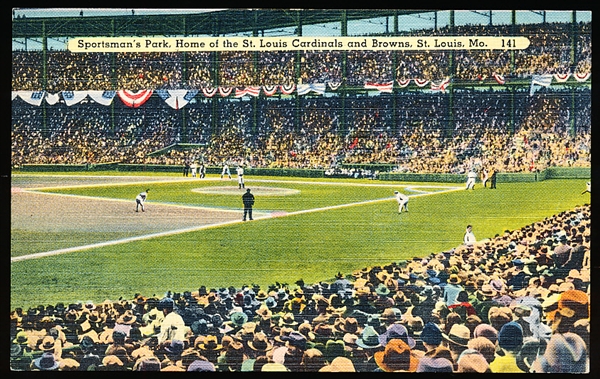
x=356, y=107
x=520, y=301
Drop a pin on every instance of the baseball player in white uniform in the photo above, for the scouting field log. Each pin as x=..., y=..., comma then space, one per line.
x=140, y=200
x=588, y=188
x=225, y=171
x=402, y=200
x=471, y=177
x=240, y=175
x=469, y=237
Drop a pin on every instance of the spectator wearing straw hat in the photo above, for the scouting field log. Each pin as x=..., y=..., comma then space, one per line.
x=452, y=289
x=68, y=364
x=485, y=300
x=112, y=363
x=258, y=346
x=456, y=340
x=22, y=357
x=125, y=322
x=233, y=357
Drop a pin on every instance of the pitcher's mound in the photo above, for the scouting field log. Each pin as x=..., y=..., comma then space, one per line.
x=257, y=191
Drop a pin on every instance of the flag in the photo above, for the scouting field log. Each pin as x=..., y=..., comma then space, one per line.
x=253, y=90
x=538, y=81
x=382, y=87
x=240, y=92
x=354, y=143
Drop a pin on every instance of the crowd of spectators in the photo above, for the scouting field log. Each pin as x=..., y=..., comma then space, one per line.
x=515, y=303
x=311, y=134
x=414, y=131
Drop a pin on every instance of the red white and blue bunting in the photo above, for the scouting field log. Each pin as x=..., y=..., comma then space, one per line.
x=134, y=99
x=178, y=99
x=381, y=87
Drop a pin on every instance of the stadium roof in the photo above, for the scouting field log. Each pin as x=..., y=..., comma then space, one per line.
x=218, y=22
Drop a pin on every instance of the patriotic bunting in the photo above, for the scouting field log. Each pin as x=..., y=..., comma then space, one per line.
x=421, y=82
x=134, y=99
x=288, y=89
x=269, y=90
x=102, y=97
x=303, y=89
x=582, y=77
x=403, y=82
x=440, y=86
x=538, y=81
x=209, y=91
x=334, y=85
x=252, y=91
x=499, y=78
x=178, y=99
x=31, y=97
x=382, y=87
x=73, y=97
x=225, y=91
x=561, y=78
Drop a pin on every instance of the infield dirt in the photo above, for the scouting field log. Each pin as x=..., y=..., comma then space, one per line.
x=38, y=213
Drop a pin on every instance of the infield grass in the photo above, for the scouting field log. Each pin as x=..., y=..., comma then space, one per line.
x=328, y=229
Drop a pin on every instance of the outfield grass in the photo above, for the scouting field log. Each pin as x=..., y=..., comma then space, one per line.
x=312, y=246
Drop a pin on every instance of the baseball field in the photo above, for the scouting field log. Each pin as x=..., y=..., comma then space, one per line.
x=77, y=237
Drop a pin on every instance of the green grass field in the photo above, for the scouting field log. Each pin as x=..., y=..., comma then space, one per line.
x=331, y=226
